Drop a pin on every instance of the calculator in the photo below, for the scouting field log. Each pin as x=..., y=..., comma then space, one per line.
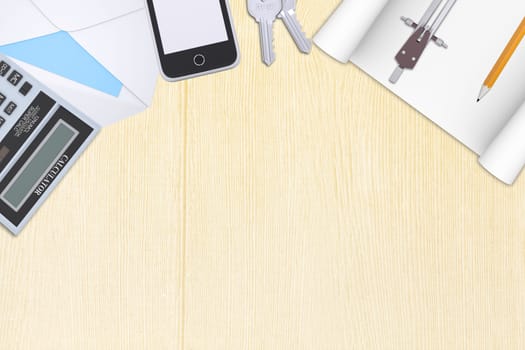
x=41, y=137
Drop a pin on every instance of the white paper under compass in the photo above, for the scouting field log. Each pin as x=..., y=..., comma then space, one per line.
x=445, y=84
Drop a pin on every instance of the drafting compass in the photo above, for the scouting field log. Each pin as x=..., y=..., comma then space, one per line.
x=411, y=52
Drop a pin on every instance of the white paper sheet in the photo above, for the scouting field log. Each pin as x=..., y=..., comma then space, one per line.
x=347, y=26
x=505, y=157
x=445, y=83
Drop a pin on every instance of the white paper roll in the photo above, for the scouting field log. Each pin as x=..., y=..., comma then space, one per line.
x=347, y=26
x=505, y=157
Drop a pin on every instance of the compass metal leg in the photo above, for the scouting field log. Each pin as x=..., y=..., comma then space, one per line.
x=442, y=16
x=429, y=13
x=412, y=50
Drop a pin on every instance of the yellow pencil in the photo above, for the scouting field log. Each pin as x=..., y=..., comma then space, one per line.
x=503, y=60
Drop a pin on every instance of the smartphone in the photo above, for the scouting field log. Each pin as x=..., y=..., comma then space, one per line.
x=193, y=37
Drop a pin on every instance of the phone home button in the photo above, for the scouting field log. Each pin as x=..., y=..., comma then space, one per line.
x=199, y=60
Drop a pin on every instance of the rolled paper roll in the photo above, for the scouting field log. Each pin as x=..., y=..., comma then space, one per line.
x=347, y=26
x=505, y=157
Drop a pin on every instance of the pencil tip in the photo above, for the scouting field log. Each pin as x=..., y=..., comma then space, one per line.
x=478, y=100
x=484, y=91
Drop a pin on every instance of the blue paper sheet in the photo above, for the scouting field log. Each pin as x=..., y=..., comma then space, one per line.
x=60, y=54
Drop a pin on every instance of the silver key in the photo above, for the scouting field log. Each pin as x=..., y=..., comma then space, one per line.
x=291, y=22
x=265, y=13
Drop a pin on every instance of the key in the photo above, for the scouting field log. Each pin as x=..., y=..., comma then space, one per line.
x=265, y=13
x=291, y=22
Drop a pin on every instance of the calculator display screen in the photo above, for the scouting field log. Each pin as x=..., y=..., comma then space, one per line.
x=39, y=165
x=185, y=24
x=42, y=164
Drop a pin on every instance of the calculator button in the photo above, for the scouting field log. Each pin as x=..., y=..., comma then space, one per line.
x=10, y=108
x=4, y=68
x=24, y=90
x=2, y=99
x=25, y=126
x=2, y=121
x=15, y=77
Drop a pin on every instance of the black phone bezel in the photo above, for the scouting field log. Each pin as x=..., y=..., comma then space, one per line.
x=181, y=64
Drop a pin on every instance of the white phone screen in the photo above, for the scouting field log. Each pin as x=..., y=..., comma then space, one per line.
x=187, y=24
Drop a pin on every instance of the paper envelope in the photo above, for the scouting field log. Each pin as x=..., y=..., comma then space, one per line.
x=114, y=32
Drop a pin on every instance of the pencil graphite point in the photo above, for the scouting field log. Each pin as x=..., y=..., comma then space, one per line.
x=483, y=92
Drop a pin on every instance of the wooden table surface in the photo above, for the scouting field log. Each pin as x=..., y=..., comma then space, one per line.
x=300, y=206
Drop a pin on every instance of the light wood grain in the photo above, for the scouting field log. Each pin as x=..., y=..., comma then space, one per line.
x=296, y=207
